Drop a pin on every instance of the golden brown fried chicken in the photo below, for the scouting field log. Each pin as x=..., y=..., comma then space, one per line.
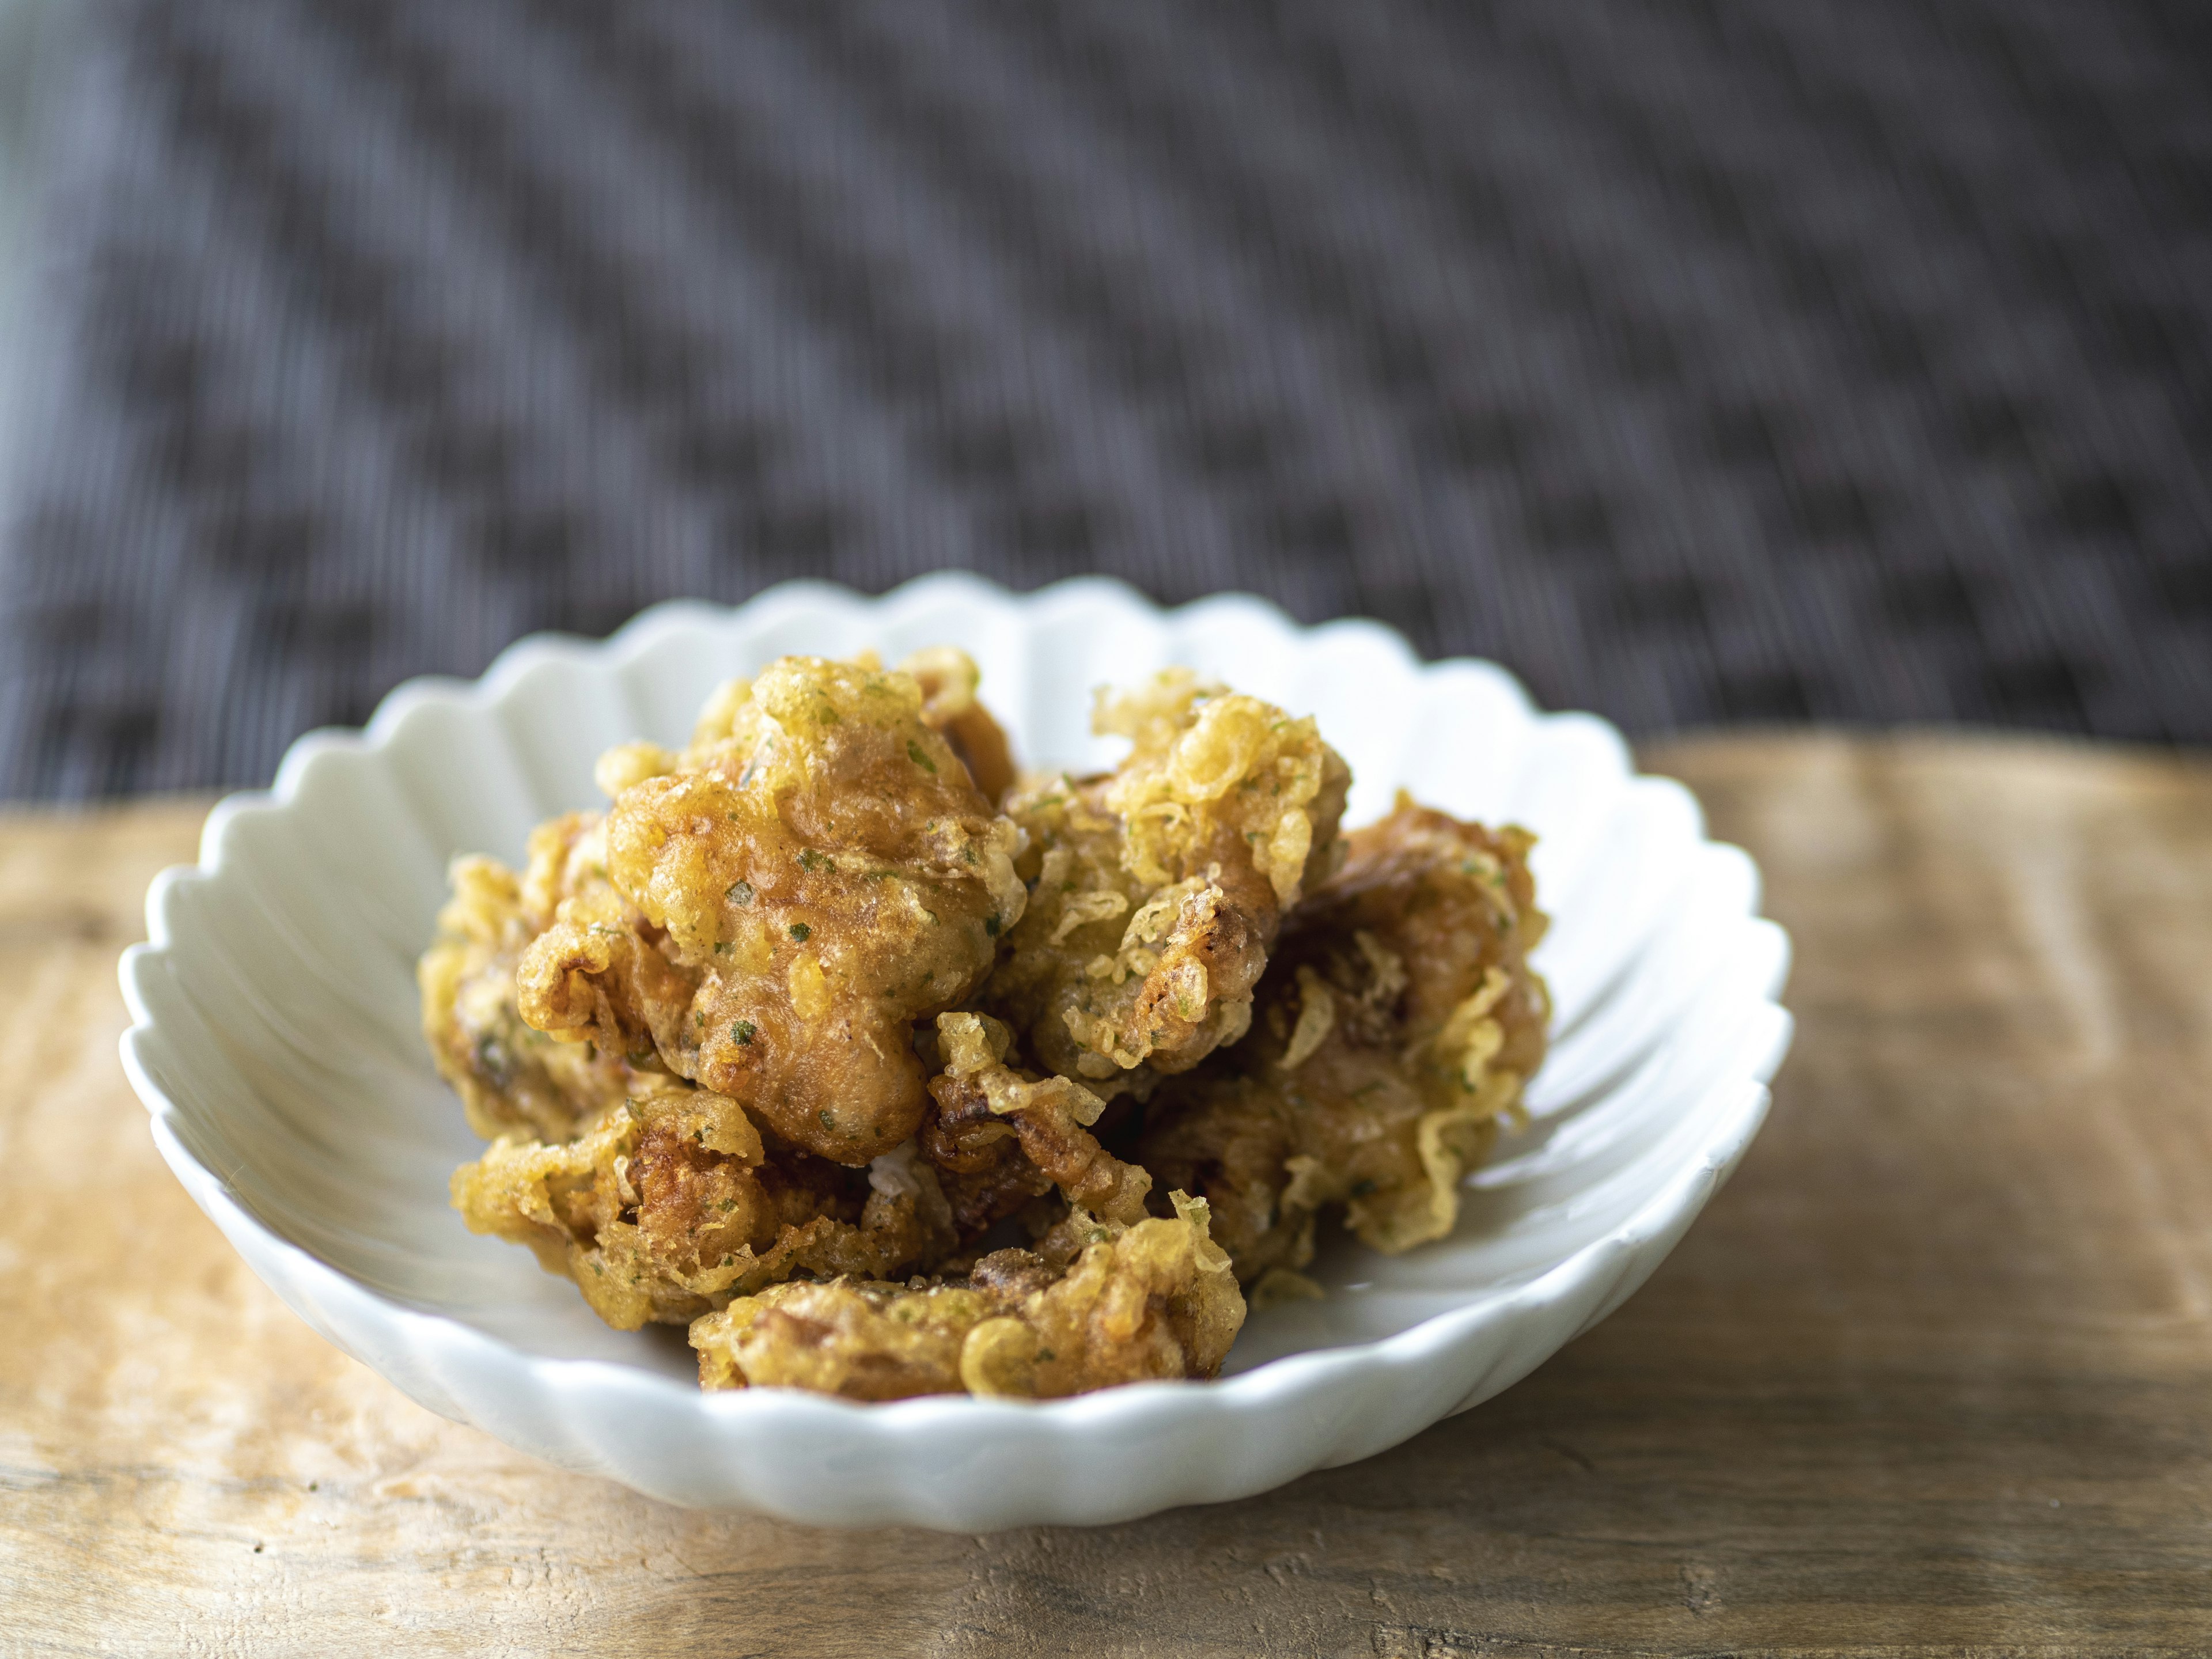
x=771, y=1046
x=1157, y=889
x=1000, y=1136
x=949, y=679
x=510, y=1077
x=1096, y=1304
x=1398, y=1020
x=672, y=1203
x=813, y=874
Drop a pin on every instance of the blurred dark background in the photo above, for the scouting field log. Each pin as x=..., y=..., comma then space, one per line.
x=1707, y=361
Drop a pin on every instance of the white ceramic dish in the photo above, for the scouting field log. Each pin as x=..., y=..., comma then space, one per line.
x=276, y=1045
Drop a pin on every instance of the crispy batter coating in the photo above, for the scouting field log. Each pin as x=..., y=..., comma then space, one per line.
x=1097, y=1303
x=812, y=875
x=1400, y=1018
x=1157, y=889
x=772, y=1047
x=949, y=679
x=509, y=1076
x=1003, y=1134
x=672, y=1203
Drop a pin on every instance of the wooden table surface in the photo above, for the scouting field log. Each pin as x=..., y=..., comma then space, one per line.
x=1933, y=1376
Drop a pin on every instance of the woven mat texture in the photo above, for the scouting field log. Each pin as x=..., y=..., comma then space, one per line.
x=1704, y=361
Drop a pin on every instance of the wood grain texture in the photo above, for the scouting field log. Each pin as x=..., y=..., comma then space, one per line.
x=1933, y=1376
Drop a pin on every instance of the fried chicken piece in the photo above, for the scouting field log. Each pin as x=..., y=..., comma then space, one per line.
x=1001, y=1136
x=770, y=1047
x=981, y=1167
x=599, y=972
x=1398, y=1020
x=1157, y=889
x=1097, y=1303
x=816, y=872
x=948, y=678
x=510, y=1077
x=672, y=1203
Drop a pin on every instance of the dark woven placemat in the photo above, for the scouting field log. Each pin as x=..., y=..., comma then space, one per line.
x=1702, y=361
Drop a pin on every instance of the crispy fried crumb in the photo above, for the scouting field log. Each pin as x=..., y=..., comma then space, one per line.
x=812, y=875
x=1398, y=1024
x=670, y=1203
x=1155, y=1299
x=1157, y=889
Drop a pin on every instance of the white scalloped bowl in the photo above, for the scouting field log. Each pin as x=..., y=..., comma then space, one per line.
x=276, y=1045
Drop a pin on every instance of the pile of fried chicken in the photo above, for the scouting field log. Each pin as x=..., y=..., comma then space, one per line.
x=888, y=1070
